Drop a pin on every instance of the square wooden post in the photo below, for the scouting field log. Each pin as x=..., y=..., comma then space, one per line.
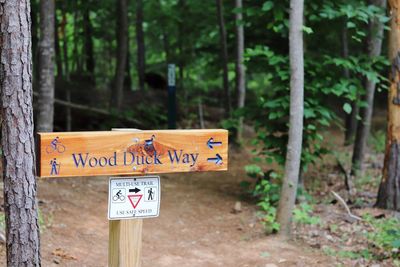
x=125, y=239
x=125, y=243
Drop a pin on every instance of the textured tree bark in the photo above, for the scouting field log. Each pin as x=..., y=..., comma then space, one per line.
x=240, y=68
x=141, y=53
x=389, y=191
x=122, y=52
x=224, y=54
x=374, y=47
x=293, y=154
x=46, y=64
x=22, y=229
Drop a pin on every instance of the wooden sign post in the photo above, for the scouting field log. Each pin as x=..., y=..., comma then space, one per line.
x=127, y=152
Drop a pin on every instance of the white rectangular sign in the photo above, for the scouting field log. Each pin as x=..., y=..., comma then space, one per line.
x=133, y=197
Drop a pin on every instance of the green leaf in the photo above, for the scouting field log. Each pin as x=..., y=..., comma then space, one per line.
x=347, y=108
x=396, y=243
x=267, y=6
x=307, y=30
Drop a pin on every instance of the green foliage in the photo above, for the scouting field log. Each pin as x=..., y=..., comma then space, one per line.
x=377, y=140
x=385, y=236
x=266, y=190
x=303, y=215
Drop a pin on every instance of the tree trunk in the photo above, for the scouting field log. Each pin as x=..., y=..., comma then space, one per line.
x=351, y=118
x=68, y=115
x=141, y=53
x=87, y=26
x=389, y=189
x=374, y=47
x=293, y=154
x=20, y=206
x=240, y=68
x=46, y=63
x=224, y=54
x=122, y=52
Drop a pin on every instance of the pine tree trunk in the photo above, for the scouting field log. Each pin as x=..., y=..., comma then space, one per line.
x=224, y=54
x=141, y=53
x=374, y=43
x=293, y=154
x=20, y=206
x=122, y=52
x=389, y=189
x=46, y=64
x=240, y=68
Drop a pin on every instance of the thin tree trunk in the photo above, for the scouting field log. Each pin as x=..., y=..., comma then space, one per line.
x=60, y=71
x=87, y=26
x=46, y=58
x=128, y=79
x=240, y=68
x=374, y=43
x=20, y=205
x=201, y=113
x=351, y=119
x=122, y=51
x=293, y=154
x=141, y=53
x=389, y=189
x=224, y=54
x=68, y=115
x=76, y=57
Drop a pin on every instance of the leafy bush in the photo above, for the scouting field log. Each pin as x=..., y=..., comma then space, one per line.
x=266, y=190
x=385, y=236
x=303, y=215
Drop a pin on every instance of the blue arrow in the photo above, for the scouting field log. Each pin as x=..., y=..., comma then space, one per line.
x=211, y=143
x=217, y=159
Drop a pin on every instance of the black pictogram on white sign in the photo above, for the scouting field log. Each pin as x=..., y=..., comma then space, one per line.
x=150, y=194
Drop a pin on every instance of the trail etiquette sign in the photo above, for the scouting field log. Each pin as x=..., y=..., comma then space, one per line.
x=125, y=153
x=133, y=197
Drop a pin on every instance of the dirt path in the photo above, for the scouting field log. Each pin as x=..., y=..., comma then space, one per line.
x=196, y=226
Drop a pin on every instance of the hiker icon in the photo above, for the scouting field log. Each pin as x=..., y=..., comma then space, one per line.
x=55, y=145
x=150, y=194
x=118, y=195
x=55, y=167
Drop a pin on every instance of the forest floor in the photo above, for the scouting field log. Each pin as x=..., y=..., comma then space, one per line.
x=198, y=225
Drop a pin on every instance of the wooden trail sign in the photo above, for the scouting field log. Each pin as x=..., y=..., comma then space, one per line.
x=125, y=153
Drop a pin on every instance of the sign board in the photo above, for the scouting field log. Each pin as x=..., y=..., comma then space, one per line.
x=133, y=197
x=171, y=75
x=126, y=153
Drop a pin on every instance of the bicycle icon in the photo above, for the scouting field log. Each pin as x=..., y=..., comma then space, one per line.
x=119, y=196
x=55, y=145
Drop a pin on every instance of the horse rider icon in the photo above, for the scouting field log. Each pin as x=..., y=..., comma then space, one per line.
x=55, y=167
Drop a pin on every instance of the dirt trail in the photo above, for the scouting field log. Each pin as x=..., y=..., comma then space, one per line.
x=196, y=226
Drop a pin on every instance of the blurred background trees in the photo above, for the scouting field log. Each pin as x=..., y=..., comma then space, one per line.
x=232, y=57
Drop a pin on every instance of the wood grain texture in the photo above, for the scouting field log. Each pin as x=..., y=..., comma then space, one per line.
x=125, y=243
x=125, y=153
